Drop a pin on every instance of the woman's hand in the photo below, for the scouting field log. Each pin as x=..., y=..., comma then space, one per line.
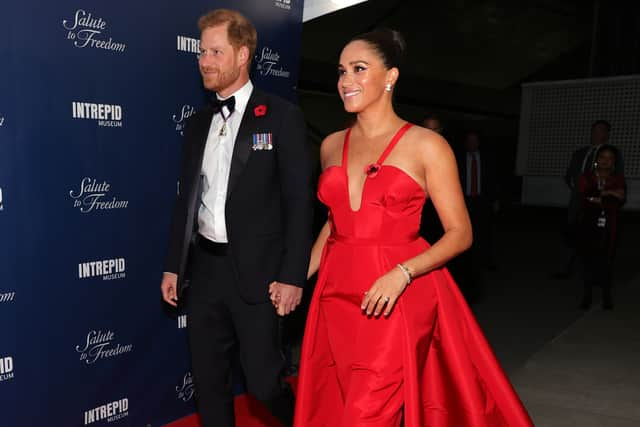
x=384, y=293
x=596, y=200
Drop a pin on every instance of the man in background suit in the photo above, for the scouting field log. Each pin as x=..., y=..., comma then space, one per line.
x=583, y=160
x=241, y=231
x=478, y=176
x=430, y=226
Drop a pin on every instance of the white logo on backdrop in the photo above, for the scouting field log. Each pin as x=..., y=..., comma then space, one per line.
x=180, y=119
x=187, y=390
x=188, y=44
x=268, y=63
x=107, y=115
x=1, y=121
x=7, y=296
x=109, y=269
x=110, y=412
x=94, y=196
x=86, y=30
x=283, y=4
x=6, y=368
x=101, y=345
x=1, y=205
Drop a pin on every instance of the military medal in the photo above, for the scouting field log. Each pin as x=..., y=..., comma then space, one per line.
x=262, y=141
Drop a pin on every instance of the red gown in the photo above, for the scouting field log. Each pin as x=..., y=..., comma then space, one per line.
x=428, y=363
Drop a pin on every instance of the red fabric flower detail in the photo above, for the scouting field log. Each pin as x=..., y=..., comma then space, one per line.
x=260, y=110
x=372, y=170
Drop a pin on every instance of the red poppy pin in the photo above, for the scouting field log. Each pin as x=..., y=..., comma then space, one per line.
x=372, y=170
x=260, y=110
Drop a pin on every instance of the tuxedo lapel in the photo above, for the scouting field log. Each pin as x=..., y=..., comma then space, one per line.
x=242, y=146
x=200, y=134
x=203, y=132
x=193, y=186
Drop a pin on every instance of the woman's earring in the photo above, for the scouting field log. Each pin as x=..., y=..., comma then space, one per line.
x=388, y=87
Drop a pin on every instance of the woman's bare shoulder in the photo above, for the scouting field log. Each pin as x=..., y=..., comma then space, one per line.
x=429, y=143
x=331, y=147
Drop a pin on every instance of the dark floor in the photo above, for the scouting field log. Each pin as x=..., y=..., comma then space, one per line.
x=570, y=368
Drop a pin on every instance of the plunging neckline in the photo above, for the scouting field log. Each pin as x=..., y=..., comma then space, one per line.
x=379, y=163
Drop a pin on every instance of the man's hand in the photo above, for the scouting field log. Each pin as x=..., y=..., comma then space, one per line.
x=285, y=298
x=169, y=288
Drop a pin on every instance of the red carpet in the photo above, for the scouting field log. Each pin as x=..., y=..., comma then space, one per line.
x=249, y=413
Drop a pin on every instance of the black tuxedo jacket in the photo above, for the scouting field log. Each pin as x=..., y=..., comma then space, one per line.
x=269, y=199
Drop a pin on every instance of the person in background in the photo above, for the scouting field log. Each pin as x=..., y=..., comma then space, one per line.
x=433, y=122
x=430, y=226
x=602, y=192
x=582, y=161
x=478, y=176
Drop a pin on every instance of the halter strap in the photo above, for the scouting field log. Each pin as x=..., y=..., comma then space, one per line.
x=345, y=147
x=385, y=153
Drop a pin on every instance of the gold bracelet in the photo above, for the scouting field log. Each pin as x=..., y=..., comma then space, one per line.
x=406, y=273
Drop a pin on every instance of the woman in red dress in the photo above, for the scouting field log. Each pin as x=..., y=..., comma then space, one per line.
x=603, y=192
x=389, y=338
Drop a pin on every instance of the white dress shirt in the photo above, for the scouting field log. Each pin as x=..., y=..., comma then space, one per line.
x=216, y=166
x=470, y=156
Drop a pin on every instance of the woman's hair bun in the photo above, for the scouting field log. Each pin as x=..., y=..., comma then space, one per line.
x=388, y=43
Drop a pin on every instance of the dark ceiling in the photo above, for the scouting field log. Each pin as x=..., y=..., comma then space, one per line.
x=470, y=54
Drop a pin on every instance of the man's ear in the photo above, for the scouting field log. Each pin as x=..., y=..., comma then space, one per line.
x=243, y=55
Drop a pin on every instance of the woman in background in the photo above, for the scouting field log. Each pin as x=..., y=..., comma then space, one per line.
x=602, y=192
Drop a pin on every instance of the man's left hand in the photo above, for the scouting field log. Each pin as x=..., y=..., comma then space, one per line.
x=285, y=298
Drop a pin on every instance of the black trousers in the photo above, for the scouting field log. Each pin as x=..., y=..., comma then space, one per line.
x=468, y=268
x=598, y=272
x=221, y=326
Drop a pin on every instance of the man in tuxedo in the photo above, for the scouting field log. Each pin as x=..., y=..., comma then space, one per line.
x=479, y=181
x=583, y=160
x=241, y=231
x=430, y=227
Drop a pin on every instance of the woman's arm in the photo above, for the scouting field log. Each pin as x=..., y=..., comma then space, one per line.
x=586, y=186
x=318, y=247
x=330, y=153
x=443, y=186
x=618, y=194
x=617, y=188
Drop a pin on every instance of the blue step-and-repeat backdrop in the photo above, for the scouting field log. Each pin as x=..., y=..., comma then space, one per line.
x=93, y=98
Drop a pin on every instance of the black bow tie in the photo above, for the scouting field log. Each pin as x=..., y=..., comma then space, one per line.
x=230, y=103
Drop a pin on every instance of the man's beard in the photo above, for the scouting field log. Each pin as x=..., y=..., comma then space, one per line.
x=221, y=80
